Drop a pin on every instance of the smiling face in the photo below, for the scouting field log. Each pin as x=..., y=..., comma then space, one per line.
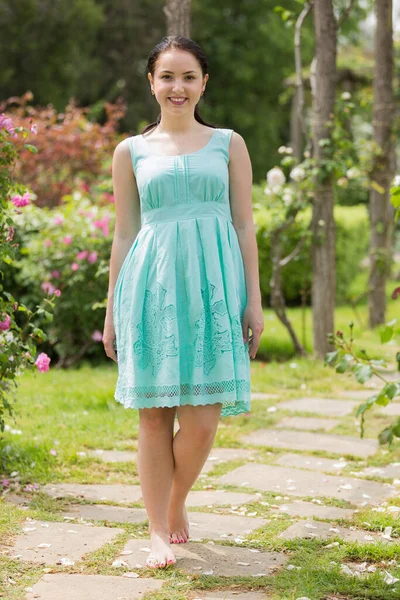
x=178, y=81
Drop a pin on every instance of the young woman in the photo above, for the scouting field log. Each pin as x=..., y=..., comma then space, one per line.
x=184, y=287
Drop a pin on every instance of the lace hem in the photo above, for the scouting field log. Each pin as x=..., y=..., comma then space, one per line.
x=192, y=394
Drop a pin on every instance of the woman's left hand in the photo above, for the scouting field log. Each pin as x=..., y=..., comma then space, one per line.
x=253, y=319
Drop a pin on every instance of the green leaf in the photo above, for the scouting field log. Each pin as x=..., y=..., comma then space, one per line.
x=378, y=363
x=396, y=429
x=342, y=366
x=392, y=390
x=385, y=436
x=331, y=357
x=362, y=372
x=31, y=148
x=382, y=400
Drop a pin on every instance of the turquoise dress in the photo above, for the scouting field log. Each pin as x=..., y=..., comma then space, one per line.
x=180, y=293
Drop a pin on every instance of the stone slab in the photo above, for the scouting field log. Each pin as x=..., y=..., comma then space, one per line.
x=112, y=514
x=61, y=586
x=299, y=508
x=219, y=498
x=65, y=539
x=304, y=440
x=392, y=409
x=263, y=396
x=119, y=514
x=307, y=423
x=389, y=471
x=321, y=406
x=211, y=559
x=113, y=456
x=317, y=529
x=295, y=482
x=121, y=493
x=17, y=499
x=106, y=492
x=219, y=456
x=312, y=463
x=217, y=526
x=227, y=595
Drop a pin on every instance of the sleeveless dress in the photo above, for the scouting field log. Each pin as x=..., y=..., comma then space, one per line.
x=180, y=293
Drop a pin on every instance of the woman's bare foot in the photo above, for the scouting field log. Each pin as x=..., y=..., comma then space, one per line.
x=178, y=523
x=161, y=554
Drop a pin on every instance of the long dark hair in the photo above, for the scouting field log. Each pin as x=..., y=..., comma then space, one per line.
x=178, y=42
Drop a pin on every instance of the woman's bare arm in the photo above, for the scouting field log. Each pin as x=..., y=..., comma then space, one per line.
x=127, y=226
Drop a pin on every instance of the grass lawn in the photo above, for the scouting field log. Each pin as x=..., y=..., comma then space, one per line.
x=60, y=413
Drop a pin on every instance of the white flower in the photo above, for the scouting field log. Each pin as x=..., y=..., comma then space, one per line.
x=396, y=181
x=346, y=96
x=321, y=222
x=275, y=177
x=267, y=191
x=297, y=174
x=287, y=199
x=343, y=182
x=307, y=154
x=285, y=150
x=353, y=173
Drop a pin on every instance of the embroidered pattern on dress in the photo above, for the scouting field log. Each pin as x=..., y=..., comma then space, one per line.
x=154, y=343
x=211, y=339
x=157, y=342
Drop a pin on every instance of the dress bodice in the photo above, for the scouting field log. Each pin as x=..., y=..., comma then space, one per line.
x=201, y=176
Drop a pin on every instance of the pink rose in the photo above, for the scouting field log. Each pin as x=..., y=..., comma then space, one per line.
x=47, y=243
x=6, y=324
x=67, y=239
x=48, y=287
x=97, y=336
x=103, y=224
x=6, y=123
x=74, y=266
x=20, y=201
x=56, y=274
x=58, y=220
x=92, y=257
x=10, y=234
x=42, y=362
x=82, y=255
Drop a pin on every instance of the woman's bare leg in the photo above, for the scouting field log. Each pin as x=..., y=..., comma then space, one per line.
x=155, y=467
x=191, y=446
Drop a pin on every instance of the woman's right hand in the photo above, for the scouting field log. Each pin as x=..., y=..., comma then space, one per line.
x=109, y=339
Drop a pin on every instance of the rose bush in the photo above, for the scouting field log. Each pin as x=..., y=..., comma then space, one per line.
x=20, y=332
x=68, y=248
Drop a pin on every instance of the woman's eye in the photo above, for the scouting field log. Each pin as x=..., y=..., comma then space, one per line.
x=165, y=76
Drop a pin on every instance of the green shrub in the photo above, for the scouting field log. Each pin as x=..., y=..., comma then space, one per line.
x=352, y=240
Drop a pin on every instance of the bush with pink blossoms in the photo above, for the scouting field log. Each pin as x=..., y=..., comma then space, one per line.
x=67, y=248
x=20, y=330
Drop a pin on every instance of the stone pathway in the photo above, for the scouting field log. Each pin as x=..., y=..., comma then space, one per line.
x=303, y=487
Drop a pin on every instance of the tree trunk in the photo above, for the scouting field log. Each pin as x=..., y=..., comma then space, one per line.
x=383, y=168
x=323, y=224
x=277, y=297
x=178, y=14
